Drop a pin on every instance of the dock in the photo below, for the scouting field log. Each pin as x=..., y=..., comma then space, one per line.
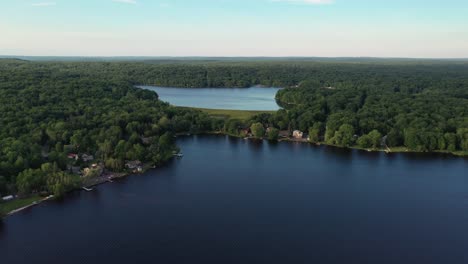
x=87, y=189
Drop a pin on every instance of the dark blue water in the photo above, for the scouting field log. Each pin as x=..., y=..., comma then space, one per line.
x=254, y=98
x=237, y=201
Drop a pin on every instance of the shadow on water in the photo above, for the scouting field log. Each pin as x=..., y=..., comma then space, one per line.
x=164, y=165
x=273, y=144
x=3, y=230
x=74, y=196
x=341, y=154
x=427, y=157
x=255, y=145
x=368, y=155
x=233, y=141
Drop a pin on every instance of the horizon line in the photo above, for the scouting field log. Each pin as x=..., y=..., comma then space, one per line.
x=241, y=57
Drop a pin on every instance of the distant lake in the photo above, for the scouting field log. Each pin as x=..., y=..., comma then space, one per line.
x=254, y=98
x=231, y=200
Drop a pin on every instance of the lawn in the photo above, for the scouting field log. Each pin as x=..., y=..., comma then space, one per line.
x=6, y=207
x=232, y=114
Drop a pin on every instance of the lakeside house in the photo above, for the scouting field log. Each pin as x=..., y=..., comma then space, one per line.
x=132, y=164
x=74, y=169
x=87, y=158
x=86, y=172
x=245, y=132
x=297, y=134
x=95, y=170
x=135, y=165
x=73, y=156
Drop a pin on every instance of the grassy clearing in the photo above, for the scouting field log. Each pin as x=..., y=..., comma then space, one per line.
x=232, y=114
x=399, y=149
x=461, y=153
x=6, y=207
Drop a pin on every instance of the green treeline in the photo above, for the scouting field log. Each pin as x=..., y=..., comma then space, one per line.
x=51, y=109
x=426, y=114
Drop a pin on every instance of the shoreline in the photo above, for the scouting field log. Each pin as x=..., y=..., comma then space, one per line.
x=237, y=113
x=89, y=185
x=400, y=149
x=14, y=211
x=120, y=175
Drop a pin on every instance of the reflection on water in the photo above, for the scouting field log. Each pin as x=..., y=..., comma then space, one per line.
x=2, y=230
x=338, y=154
x=255, y=145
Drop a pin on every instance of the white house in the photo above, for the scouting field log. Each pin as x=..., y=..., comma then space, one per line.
x=298, y=134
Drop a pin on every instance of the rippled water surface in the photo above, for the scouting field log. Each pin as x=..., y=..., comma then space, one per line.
x=238, y=201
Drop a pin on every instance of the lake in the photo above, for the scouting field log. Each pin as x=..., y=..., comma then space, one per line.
x=230, y=200
x=254, y=98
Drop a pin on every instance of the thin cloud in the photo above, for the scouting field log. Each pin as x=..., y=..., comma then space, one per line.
x=132, y=2
x=43, y=4
x=307, y=2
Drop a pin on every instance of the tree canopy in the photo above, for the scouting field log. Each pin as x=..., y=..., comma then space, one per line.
x=50, y=110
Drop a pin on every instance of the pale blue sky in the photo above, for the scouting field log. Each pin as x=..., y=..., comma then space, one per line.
x=330, y=28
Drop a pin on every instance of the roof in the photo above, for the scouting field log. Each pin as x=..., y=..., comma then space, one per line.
x=9, y=197
x=133, y=164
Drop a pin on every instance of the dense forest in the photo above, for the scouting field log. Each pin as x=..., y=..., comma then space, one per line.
x=48, y=112
x=52, y=109
x=422, y=108
x=420, y=118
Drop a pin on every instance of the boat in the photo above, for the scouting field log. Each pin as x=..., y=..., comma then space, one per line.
x=179, y=155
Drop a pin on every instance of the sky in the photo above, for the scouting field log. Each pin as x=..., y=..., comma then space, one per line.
x=272, y=28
